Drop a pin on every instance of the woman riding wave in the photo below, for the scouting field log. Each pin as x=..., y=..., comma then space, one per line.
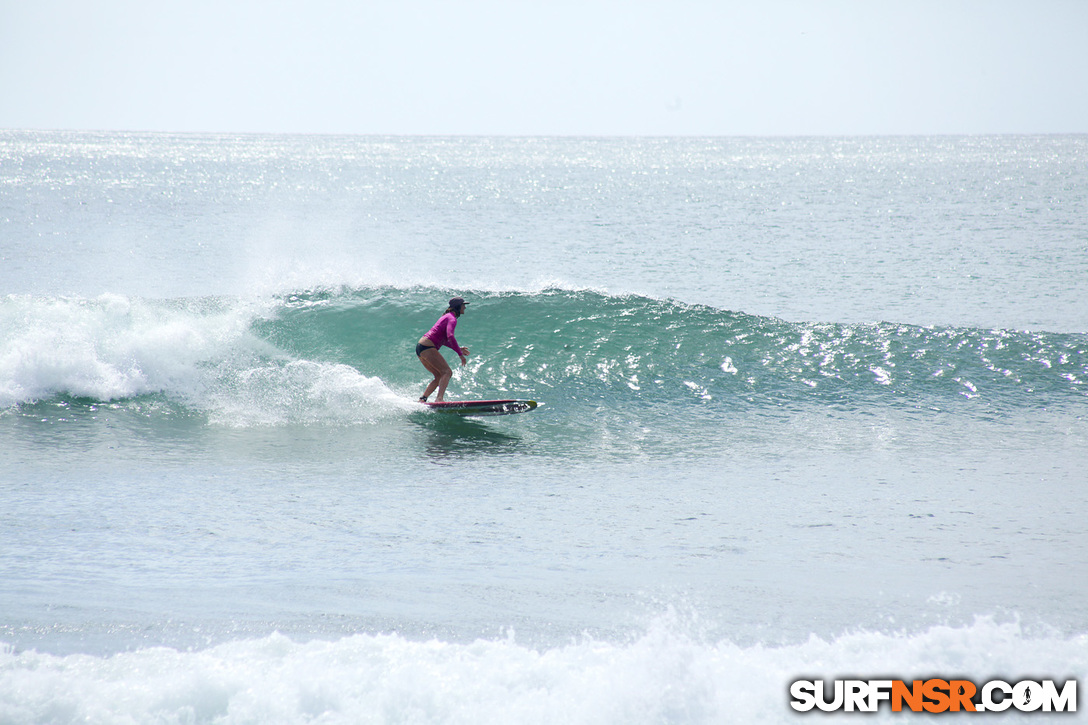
x=427, y=349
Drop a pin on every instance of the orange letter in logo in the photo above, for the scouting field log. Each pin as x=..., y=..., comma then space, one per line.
x=961, y=692
x=912, y=695
x=934, y=691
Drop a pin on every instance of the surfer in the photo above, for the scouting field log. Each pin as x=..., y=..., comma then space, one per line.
x=427, y=349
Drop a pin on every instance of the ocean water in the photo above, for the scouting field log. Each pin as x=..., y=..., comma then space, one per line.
x=812, y=408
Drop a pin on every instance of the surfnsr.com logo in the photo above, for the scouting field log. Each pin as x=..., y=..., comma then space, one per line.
x=934, y=695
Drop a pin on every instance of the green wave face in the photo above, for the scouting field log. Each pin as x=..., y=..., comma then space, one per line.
x=615, y=373
x=581, y=348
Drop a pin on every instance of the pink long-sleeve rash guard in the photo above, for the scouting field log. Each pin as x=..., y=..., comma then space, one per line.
x=442, y=333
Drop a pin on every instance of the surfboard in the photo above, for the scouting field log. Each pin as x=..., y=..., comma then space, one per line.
x=483, y=407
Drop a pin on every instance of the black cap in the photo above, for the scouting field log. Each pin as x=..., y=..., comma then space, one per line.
x=458, y=302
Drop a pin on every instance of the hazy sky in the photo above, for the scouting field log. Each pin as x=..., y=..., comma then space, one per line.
x=549, y=67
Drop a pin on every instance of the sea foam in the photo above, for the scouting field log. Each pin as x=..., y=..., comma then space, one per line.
x=662, y=675
x=198, y=353
x=104, y=348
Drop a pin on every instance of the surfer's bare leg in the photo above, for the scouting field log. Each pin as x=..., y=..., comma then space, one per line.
x=436, y=365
